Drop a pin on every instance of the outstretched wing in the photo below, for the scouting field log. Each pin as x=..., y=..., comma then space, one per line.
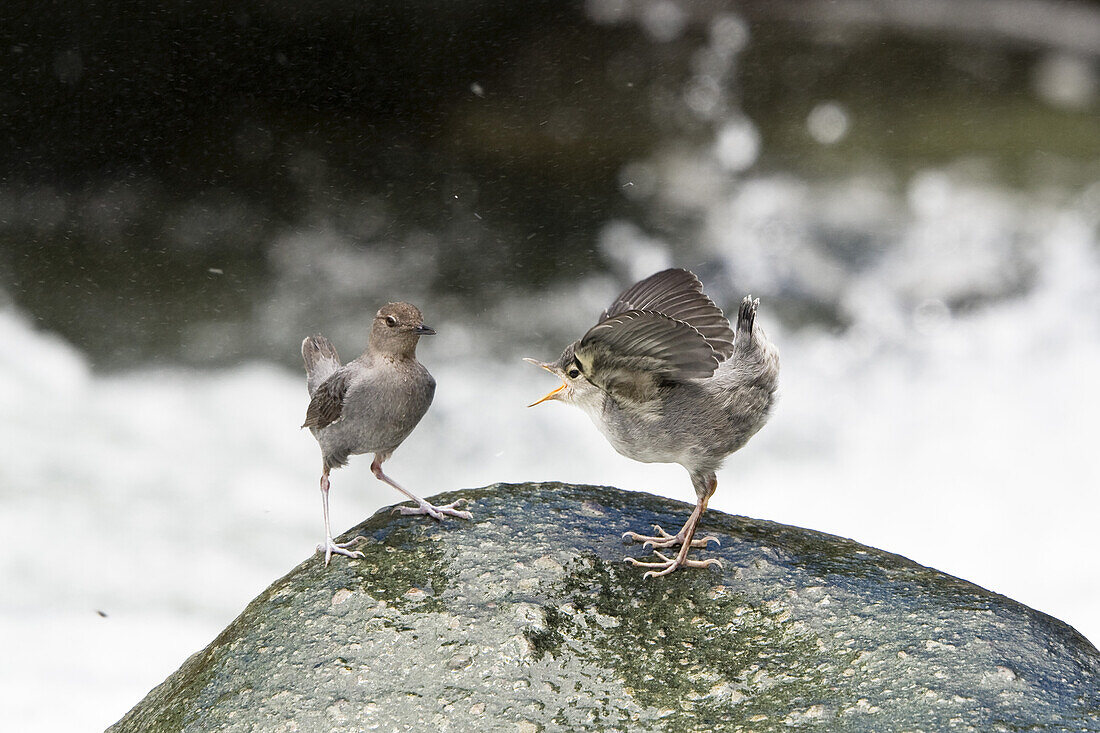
x=629, y=354
x=327, y=403
x=678, y=294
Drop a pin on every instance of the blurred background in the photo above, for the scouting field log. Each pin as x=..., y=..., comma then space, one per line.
x=911, y=187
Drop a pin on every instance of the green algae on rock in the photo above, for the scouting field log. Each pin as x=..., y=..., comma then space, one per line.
x=528, y=619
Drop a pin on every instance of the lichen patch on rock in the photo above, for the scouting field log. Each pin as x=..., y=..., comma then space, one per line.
x=527, y=618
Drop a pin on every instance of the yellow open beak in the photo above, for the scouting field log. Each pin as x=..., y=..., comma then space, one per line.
x=548, y=368
x=548, y=397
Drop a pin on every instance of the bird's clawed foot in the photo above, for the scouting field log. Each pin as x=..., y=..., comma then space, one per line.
x=331, y=548
x=437, y=512
x=663, y=539
x=667, y=565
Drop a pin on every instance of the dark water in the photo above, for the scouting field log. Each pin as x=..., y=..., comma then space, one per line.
x=201, y=184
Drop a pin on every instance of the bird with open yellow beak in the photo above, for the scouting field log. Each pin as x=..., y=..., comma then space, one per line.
x=666, y=380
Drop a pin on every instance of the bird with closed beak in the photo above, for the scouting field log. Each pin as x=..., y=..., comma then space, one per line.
x=370, y=405
x=666, y=380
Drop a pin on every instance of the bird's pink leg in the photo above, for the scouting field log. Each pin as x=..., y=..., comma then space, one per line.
x=330, y=548
x=685, y=538
x=423, y=507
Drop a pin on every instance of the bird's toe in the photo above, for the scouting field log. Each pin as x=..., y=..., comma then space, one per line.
x=336, y=548
x=667, y=565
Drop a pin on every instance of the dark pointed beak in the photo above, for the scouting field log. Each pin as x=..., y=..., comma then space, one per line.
x=425, y=330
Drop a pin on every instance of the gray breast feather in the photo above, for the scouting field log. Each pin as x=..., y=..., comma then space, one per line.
x=695, y=423
x=381, y=406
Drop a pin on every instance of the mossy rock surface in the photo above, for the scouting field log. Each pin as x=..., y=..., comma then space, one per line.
x=527, y=618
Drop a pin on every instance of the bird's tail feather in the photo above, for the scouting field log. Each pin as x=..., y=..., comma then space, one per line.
x=746, y=315
x=321, y=360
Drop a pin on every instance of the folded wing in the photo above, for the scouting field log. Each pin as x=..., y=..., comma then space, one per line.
x=327, y=403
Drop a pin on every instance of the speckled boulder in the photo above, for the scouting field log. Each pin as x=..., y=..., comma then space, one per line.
x=528, y=619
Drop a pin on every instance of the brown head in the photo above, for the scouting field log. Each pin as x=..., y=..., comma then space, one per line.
x=396, y=329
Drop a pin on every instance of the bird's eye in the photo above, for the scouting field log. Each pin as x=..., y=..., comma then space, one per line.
x=574, y=373
x=391, y=321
